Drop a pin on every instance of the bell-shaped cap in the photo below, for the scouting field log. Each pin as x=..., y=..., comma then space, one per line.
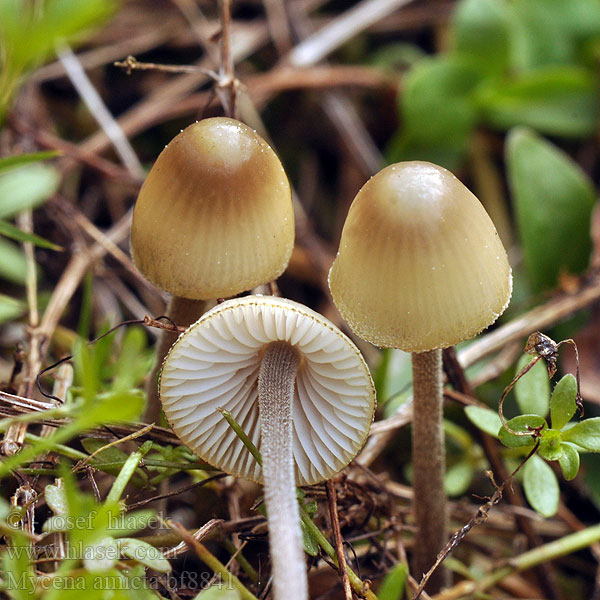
x=215, y=363
x=420, y=264
x=214, y=216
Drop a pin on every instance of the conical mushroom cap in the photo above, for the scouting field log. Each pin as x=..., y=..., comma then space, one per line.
x=215, y=363
x=420, y=265
x=214, y=216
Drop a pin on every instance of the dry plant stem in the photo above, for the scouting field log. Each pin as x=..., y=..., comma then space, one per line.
x=429, y=463
x=337, y=536
x=182, y=312
x=276, y=381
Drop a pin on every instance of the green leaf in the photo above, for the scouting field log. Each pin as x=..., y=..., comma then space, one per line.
x=145, y=554
x=10, y=308
x=11, y=162
x=458, y=477
x=13, y=264
x=14, y=233
x=540, y=486
x=437, y=111
x=26, y=187
x=562, y=404
x=101, y=555
x=550, y=444
x=524, y=424
x=533, y=389
x=569, y=461
x=485, y=418
x=585, y=434
x=393, y=585
x=560, y=101
x=17, y=572
x=553, y=200
x=311, y=545
x=553, y=31
x=125, y=524
x=56, y=499
x=481, y=29
x=114, y=407
x=112, y=454
x=539, y=37
x=218, y=592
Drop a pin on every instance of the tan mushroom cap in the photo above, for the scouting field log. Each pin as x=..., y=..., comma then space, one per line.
x=214, y=216
x=215, y=363
x=420, y=264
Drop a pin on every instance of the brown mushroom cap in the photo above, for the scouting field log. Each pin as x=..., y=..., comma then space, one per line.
x=214, y=216
x=215, y=363
x=420, y=264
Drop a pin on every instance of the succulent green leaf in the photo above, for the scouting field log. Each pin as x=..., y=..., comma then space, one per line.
x=521, y=424
x=550, y=444
x=145, y=554
x=393, y=584
x=218, y=592
x=562, y=404
x=533, y=389
x=437, y=110
x=553, y=201
x=569, y=461
x=485, y=418
x=56, y=499
x=26, y=187
x=540, y=486
x=585, y=434
x=458, y=478
x=18, y=567
x=559, y=101
x=311, y=546
x=481, y=30
x=13, y=264
x=101, y=555
x=10, y=308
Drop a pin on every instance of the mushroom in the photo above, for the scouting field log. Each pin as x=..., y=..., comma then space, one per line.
x=420, y=267
x=298, y=387
x=213, y=218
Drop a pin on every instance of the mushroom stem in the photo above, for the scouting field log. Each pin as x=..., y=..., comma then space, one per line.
x=276, y=381
x=182, y=312
x=429, y=464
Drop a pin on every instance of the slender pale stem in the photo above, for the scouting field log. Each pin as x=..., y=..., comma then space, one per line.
x=275, y=399
x=429, y=463
x=182, y=312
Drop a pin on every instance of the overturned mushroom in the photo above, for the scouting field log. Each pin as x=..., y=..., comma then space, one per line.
x=298, y=387
x=214, y=218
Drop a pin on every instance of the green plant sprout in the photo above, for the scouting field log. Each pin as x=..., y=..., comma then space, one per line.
x=556, y=438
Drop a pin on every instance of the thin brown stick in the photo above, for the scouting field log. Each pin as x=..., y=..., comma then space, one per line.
x=227, y=76
x=539, y=318
x=337, y=538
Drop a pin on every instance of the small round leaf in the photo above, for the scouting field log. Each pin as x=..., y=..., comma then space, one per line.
x=485, y=419
x=585, y=434
x=145, y=554
x=533, y=389
x=521, y=424
x=562, y=404
x=550, y=445
x=540, y=486
x=569, y=462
